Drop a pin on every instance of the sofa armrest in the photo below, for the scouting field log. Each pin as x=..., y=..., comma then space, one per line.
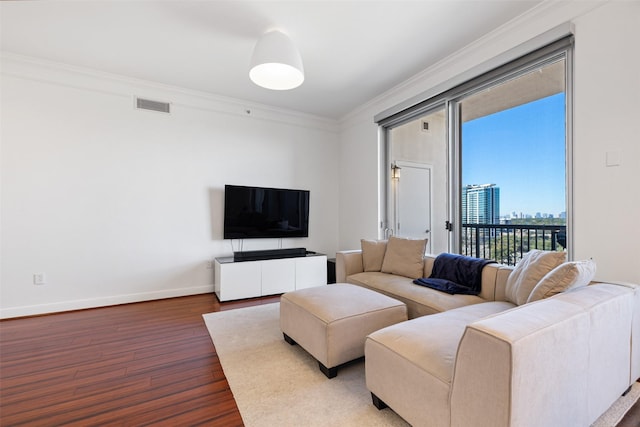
x=635, y=334
x=635, y=329
x=348, y=263
x=502, y=275
x=559, y=361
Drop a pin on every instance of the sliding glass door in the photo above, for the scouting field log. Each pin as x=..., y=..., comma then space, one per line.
x=418, y=179
x=487, y=164
x=512, y=140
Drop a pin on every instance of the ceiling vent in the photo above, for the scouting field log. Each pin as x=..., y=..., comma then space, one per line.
x=147, y=104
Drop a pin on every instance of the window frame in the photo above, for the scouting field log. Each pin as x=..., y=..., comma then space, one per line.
x=561, y=49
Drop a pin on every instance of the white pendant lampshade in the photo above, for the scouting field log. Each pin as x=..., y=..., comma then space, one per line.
x=276, y=63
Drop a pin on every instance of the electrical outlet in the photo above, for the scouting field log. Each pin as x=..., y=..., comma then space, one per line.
x=209, y=265
x=39, y=279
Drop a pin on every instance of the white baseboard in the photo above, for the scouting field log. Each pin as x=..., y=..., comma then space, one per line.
x=31, y=310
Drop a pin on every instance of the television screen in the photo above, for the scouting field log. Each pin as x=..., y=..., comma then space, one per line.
x=257, y=212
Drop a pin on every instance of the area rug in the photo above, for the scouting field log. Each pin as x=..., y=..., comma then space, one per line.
x=275, y=383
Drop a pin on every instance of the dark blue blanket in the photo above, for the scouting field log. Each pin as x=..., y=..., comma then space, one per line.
x=456, y=274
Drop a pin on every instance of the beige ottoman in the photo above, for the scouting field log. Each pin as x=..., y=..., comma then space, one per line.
x=332, y=322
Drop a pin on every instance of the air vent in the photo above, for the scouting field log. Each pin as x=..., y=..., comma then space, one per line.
x=147, y=104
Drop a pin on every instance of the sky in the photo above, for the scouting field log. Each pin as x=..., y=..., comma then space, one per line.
x=522, y=150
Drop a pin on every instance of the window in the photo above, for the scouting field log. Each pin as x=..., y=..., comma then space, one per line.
x=513, y=151
x=497, y=150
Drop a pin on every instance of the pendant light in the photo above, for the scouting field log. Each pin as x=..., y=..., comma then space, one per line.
x=276, y=63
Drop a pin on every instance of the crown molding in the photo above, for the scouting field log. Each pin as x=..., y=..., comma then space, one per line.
x=52, y=72
x=547, y=16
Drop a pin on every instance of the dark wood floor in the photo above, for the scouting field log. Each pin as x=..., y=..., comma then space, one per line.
x=127, y=365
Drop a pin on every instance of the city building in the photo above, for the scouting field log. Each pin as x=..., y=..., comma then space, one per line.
x=481, y=204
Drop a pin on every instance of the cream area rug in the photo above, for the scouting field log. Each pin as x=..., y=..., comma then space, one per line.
x=276, y=384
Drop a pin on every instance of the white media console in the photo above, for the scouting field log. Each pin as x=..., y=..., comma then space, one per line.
x=248, y=279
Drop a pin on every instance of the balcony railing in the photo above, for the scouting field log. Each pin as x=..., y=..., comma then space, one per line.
x=507, y=243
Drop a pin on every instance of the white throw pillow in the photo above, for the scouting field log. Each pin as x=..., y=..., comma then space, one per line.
x=533, y=266
x=569, y=275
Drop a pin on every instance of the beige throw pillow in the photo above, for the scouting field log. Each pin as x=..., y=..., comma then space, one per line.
x=533, y=266
x=566, y=276
x=404, y=257
x=373, y=254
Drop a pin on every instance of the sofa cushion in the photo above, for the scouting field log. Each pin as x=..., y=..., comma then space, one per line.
x=568, y=275
x=404, y=257
x=373, y=254
x=420, y=300
x=533, y=266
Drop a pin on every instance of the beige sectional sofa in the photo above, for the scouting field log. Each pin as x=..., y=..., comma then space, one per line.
x=420, y=300
x=496, y=359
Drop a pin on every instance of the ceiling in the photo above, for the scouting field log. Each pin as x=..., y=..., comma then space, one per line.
x=352, y=51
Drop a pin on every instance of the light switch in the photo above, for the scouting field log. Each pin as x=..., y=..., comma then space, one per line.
x=614, y=158
x=39, y=279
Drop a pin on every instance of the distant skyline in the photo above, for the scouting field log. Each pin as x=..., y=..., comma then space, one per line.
x=522, y=151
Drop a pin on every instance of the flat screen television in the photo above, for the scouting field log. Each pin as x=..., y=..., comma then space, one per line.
x=258, y=212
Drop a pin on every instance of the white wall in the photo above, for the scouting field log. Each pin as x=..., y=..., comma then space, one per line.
x=359, y=184
x=607, y=91
x=607, y=202
x=115, y=204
